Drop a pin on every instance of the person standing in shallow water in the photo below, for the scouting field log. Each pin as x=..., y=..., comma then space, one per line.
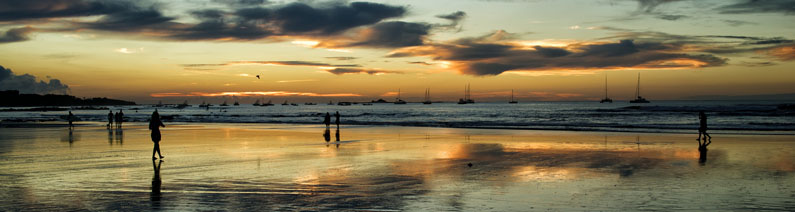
x=121, y=117
x=327, y=120
x=702, y=129
x=337, y=116
x=70, y=118
x=154, y=126
x=110, y=119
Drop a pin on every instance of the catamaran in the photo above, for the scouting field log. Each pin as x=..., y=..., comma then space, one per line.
x=399, y=101
x=467, y=98
x=638, y=99
x=606, y=99
x=513, y=101
x=427, y=97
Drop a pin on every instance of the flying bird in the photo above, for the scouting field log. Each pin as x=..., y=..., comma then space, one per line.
x=257, y=76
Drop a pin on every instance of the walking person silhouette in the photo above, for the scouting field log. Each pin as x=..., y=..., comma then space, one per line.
x=337, y=116
x=121, y=118
x=327, y=120
x=110, y=119
x=154, y=126
x=702, y=129
x=70, y=118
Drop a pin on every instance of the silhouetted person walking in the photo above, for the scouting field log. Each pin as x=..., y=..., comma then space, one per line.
x=327, y=120
x=702, y=129
x=154, y=125
x=116, y=119
x=110, y=119
x=337, y=116
x=121, y=118
x=70, y=118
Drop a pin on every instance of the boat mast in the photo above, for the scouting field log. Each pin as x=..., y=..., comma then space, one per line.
x=637, y=89
x=605, y=85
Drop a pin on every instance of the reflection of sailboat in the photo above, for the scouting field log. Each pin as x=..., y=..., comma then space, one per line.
x=638, y=99
x=467, y=98
x=606, y=99
x=183, y=105
x=513, y=101
x=427, y=96
x=399, y=101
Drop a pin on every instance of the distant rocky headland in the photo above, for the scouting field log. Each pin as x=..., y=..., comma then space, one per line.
x=12, y=98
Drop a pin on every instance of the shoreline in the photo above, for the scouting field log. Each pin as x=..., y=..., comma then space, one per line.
x=57, y=124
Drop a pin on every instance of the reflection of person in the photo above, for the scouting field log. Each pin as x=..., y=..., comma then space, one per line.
x=337, y=116
x=327, y=120
x=338, y=137
x=702, y=129
x=110, y=118
x=156, y=182
x=702, y=150
x=70, y=118
x=154, y=126
x=327, y=135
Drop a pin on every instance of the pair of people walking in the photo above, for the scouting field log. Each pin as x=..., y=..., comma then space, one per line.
x=327, y=120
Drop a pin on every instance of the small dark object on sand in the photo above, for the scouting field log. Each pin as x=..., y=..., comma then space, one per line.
x=469, y=164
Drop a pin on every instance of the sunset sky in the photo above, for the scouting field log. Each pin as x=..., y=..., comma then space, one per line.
x=548, y=50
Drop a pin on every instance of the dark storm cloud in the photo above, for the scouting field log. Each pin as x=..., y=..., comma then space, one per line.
x=302, y=18
x=299, y=19
x=16, y=35
x=134, y=19
x=760, y=6
x=394, y=34
x=242, y=2
x=13, y=10
x=648, y=6
x=27, y=83
x=341, y=71
x=671, y=17
x=479, y=57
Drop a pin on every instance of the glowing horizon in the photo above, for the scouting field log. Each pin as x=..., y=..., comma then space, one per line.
x=359, y=51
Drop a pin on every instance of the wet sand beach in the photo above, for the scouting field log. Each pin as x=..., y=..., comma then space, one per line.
x=292, y=167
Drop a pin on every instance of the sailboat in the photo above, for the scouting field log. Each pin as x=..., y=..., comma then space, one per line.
x=467, y=98
x=399, y=101
x=205, y=104
x=224, y=104
x=427, y=97
x=285, y=103
x=257, y=103
x=236, y=102
x=513, y=101
x=638, y=98
x=606, y=99
x=269, y=103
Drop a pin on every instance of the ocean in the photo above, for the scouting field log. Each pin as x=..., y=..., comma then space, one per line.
x=730, y=117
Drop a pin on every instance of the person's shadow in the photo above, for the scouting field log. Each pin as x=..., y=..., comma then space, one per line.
x=702, y=150
x=156, y=183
